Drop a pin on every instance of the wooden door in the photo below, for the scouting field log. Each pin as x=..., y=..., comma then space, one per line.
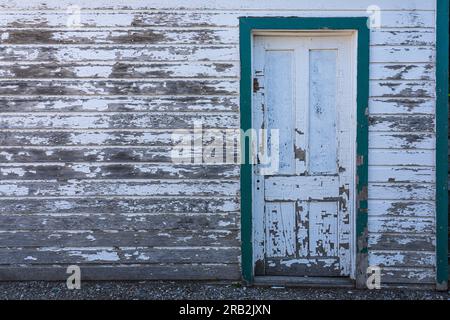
x=304, y=103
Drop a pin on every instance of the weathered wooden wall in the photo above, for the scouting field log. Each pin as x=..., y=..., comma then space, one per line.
x=86, y=120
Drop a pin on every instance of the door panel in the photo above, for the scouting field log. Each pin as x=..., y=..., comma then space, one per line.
x=280, y=229
x=279, y=77
x=303, y=208
x=322, y=111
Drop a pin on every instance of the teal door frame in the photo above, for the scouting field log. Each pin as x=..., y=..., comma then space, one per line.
x=247, y=25
x=442, y=88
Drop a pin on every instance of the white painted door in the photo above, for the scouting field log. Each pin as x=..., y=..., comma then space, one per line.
x=303, y=198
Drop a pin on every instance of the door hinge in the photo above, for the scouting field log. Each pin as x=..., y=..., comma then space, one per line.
x=256, y=86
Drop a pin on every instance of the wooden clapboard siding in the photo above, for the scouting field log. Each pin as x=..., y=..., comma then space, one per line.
x=138, y=271
x=86, y=135
x=201, y=103
x=205, y=18
x=410, y=5
x=122, y=256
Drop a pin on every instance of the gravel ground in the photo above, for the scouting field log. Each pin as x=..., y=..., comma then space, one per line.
x=197, y=291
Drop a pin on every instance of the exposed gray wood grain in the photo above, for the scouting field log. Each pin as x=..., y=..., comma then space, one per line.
x=322, y=5
x=398, y=140
x=120, y=188
x=401, y=157
x=138, y=36
x=123, y=222
x=401, y=259
x=416, y=89
x=407, y=123
x=83, y=154
x=116, y=87
x=401, y=191
x=402, y=174
x=109, y=205
x=130, y=137
x=120, y=121
x=408, y=275
x=402, y=71
x=146, y=53
x=401, y=225
x=118, y=171
x=158, y=238
x=121, y=70
x=393, y=37
x=390, y=208
x=117, y=256
x=402, y=54
x=420, y=37
x=405, y=105
x=161, y=18
x=122, y=104
x=412, y=242
x=127, y=273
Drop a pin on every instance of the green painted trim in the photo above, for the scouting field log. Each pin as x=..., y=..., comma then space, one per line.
x=247, y=25
x=442, y=87
x=245, y=42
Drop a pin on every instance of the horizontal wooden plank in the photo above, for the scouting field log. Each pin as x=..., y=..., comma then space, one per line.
x=121, y=188
x=401, y=208
x=395, y=37
x=401, y=191
x=122, y=222
x=193, y=69
x=174, y=238
x=416, y=275
x=172, y=19
x=402, y=71
x=153, y=35
x=124, y=19
x=148, y=53
x=143, y=53
x=401, y=105
x=141, y=137
x=401, y=259
x=136, y=36
x=82, y=171
x=119, y=120
x=119, y=205
x=416, y=89
x=121, y=70
x=405, y=54
x=412, y=242
x=118, y=87
x=394, y=157
x=322, y=5
x=398, y=123
x=164, y=154
x=122, y=104
x=401, y=225
x=127, y=273
x=86, y=154
x=394, y=140
x=401, y=174
x=111, y=256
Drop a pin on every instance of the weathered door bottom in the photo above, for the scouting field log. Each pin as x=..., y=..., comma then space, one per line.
x=314, y=282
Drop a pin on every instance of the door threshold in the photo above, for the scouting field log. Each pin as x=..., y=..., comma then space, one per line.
x=305, y=282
